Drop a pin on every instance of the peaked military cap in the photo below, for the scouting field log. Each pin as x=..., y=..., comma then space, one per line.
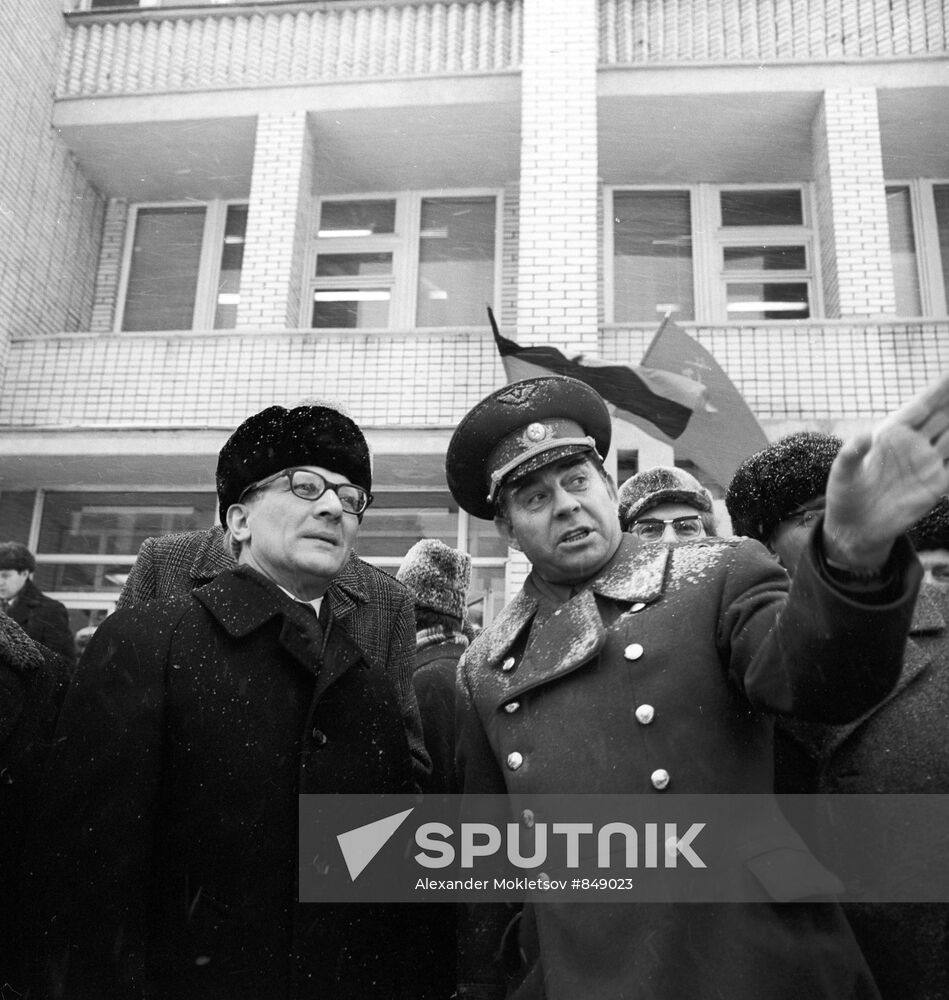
x=519, y=429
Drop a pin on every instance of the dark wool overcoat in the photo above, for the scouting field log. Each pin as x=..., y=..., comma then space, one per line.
x=898, y=747
x=705, y=636
x=44, y=620
x=163, y=859
x=32, y=682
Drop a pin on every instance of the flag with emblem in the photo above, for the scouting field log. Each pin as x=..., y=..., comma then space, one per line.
x=661, y=402
x=722, y=433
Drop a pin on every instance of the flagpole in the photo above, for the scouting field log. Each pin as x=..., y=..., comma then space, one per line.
x=655, y=337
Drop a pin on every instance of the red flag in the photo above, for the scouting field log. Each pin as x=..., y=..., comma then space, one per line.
x=662, y=402
x=719, y=438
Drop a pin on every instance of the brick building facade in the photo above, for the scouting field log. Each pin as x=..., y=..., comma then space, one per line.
x=211, y=207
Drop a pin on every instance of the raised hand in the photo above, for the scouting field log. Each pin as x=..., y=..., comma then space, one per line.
x=882, y=483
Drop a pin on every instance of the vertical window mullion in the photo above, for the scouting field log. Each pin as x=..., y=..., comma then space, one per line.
x=208, y=266
x=406, y=263
x=707, y=255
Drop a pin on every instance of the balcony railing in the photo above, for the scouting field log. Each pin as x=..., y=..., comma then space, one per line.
x=786, y=371
x=246, y=45
x=737, y=31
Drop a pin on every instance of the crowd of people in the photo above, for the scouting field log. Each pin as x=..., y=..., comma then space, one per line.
x=150, y=792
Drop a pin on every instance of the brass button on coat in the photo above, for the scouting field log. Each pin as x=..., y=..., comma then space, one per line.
x=645, y=714
x=508, y=664
x=514, y=760
x=512, y=706
x=633, y=651
x=638, y=606
x=659, y=778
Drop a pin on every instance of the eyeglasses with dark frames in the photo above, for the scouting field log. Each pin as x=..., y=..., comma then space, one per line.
x=651, y=529
x=311, y=486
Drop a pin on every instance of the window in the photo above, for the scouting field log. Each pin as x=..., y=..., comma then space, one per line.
x=404, y=261
x=183, y=267
x=918, y=214
x=652, y=247
x=712, y=253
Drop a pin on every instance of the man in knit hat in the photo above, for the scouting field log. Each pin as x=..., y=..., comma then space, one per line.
x=628, y=668
x=778, y=496
x=666, y=504
x=437, y=576
x=163, y=859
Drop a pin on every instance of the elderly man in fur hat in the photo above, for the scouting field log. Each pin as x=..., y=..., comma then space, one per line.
x=654, y=669
x=666, y=504
x=164, y=854
x=779, y=496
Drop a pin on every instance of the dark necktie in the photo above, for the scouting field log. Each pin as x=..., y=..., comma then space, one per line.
x=4, y=605
x=313, y=627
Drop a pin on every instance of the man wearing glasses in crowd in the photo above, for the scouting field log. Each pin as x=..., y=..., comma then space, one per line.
x=163, y=860
x=666, y=504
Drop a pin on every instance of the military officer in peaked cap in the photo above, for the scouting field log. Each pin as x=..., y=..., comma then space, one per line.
x=622, y=667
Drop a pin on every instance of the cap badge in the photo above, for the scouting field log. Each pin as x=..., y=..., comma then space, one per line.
x=537, y=432
x=516, y=394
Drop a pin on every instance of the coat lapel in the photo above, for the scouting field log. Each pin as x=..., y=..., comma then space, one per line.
x=575, y=632
x=243, y=600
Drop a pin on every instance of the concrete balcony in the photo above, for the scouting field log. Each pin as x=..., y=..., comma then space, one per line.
x=803, y=372
x=237, y=46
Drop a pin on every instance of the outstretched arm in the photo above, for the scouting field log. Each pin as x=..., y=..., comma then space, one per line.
x=882, y=483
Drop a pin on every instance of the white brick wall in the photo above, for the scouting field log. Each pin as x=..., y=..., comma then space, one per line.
x=851, y=206
x=277, y=223
x=557, y=300
x=50, y=217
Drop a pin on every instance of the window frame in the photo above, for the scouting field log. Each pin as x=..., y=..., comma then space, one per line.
x=209, y=259
x=709, y=239
x=932, y=290
x=404, y=244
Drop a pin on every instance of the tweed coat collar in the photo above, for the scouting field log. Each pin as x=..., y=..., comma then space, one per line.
x=211, y=557
x=575, y=631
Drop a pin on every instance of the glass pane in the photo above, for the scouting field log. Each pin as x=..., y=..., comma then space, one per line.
x=760, y=300
x=484, y=541
x=351, y=309
x=941, y=198
x=164, y=269
x=396, y=521
x=903, y=250
x=16, y=515
x=485, y=594
x=232, y=260
x=762, y=208
x=456, y=261
x=117, y=523
x=92, y=578
x=765, y=258
x=111, y=524
x=652, y=263
x=338, y=265
x=356, y=218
